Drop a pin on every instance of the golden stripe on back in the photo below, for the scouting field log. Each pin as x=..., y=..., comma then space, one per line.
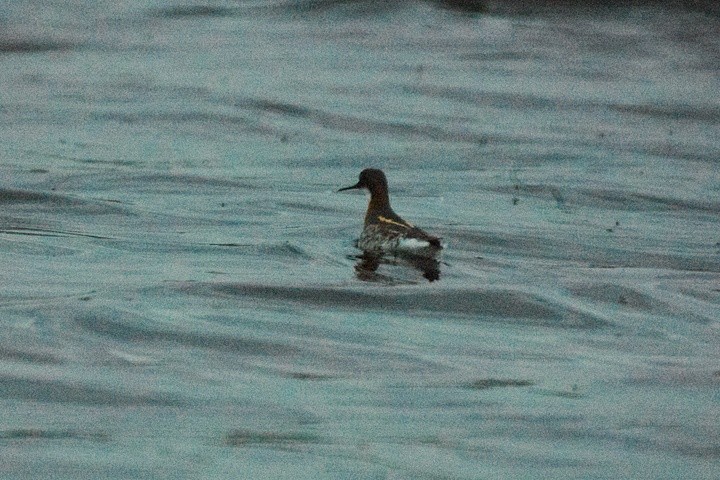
x=393, y=222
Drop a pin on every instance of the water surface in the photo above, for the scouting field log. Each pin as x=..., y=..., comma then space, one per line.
x=178, y=291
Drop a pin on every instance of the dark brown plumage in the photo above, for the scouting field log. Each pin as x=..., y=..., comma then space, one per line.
x=384, y=230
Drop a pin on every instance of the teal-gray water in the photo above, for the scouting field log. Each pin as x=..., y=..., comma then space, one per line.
x=178, y=293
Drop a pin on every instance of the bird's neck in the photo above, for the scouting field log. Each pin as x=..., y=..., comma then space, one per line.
x=379, y=205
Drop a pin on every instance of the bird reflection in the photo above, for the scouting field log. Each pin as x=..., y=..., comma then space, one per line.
x=368, y=264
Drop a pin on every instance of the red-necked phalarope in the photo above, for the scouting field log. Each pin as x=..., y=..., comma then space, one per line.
x=385, y=231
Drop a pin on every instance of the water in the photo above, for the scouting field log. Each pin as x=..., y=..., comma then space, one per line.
x=179, y=297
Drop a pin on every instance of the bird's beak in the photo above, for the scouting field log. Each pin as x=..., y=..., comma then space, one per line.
x=357, y=185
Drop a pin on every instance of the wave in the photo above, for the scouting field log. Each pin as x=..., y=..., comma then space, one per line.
x=30, y=46
x=12, y=197
x=507, y=305
x=57, y=391
x=128, y=327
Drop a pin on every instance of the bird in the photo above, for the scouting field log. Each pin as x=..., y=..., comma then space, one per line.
x=384, y=230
